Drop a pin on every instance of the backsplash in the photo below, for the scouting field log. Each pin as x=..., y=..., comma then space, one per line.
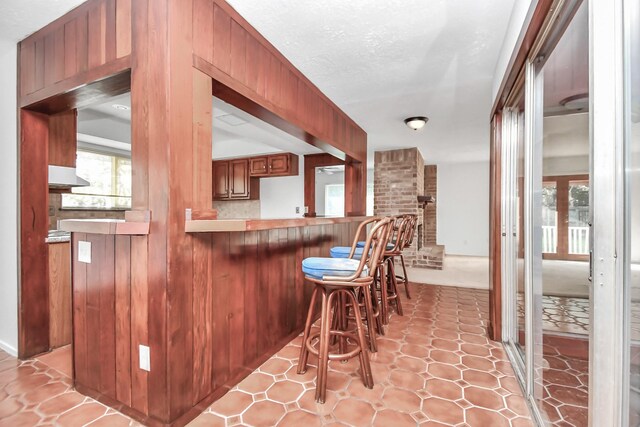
x=56, y=213
x=237, y=209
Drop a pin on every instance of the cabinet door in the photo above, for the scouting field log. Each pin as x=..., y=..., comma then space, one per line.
x=279, y=164
x=258, y=166
x=220, y=180
x=239, y=178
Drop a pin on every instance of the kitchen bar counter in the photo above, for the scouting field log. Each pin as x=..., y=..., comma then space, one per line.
x=104, y=226
x=226, y=225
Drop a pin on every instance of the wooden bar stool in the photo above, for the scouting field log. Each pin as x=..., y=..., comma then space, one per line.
x=336, y=278
x=366, y=296
x=388, y=282
x=404, y=279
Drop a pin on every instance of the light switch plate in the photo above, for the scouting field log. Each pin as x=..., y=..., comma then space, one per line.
x=84, y=252
x=297, y=209
x=145, y=357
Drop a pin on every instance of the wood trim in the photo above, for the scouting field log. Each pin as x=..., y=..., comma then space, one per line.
x=104, y=226
x=495, y=231
x=521, y=53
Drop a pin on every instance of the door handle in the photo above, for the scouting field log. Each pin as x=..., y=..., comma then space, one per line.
x=591, y=266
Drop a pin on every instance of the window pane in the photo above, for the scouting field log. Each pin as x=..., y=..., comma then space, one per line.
x=334, y=200
x=579, y=217
x=110, y=179
x=549, y=217
x=369, y=199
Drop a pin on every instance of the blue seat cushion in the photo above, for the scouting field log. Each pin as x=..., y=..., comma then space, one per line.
x=319, y=267
x=390, y=245
x=344, y=251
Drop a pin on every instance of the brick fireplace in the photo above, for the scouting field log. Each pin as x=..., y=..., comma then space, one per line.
x=400, y=176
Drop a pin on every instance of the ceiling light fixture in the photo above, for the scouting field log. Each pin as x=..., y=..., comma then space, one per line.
x=578, y=102
x=121, y=107
x=416, y=123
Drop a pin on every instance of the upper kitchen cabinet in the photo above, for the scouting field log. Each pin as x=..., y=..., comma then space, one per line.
x=231, y=181
x=285, y=164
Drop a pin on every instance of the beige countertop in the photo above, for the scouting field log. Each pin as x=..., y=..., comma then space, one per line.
x=222, y=225
x=104, y=226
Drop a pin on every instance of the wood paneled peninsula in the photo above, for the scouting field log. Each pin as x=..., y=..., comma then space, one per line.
x=208, y=305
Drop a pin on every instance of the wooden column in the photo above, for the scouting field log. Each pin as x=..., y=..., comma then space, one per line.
x=355, y=188
x=33, y=318
x=495, y=231
x=171, y=157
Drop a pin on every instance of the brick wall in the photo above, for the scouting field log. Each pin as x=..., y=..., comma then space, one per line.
x=398, y=180
x=430, y=189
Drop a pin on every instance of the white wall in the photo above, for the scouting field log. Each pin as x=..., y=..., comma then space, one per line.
x=280, y=196
x=8, y=195
x=463, y=208
x=520, y=16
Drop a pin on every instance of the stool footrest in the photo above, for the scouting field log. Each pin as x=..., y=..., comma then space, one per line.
x=336, y=356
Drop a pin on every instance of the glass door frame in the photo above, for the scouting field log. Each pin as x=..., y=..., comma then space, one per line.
x=608, y=352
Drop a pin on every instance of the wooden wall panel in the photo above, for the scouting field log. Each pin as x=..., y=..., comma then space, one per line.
x=90, y=38
x=33, y=320
x=60, y=310
x=63, y=140
x=242, y=59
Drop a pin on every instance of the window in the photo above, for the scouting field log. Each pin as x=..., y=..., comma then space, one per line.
x=370, y=199
x=110, y=178
x=334, y=199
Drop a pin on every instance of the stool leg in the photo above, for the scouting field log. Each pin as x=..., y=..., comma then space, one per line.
x=406, y=278
x=394, y=286
x=371, y=321
x=376, y=308
x=323, y=353
x=384, y=301
x=304, y=351
x=365, y=366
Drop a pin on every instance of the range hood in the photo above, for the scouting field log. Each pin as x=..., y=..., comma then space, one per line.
x=64, y=177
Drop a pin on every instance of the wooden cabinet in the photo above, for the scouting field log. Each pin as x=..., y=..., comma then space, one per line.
x=259, y=166
x=231, y=181
x=285, y=164
x=59, y=294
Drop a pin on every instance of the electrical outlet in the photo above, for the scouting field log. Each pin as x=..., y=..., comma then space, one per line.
x=145, y=357
x=306, y=209
x=84, y=252
x=297, y=209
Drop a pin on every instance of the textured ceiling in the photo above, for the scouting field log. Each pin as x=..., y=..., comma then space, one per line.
x=383, y=61
x=19, y=18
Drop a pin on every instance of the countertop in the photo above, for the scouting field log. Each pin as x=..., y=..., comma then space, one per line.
x=222, y=225
x=104, y=226
x=58, y=236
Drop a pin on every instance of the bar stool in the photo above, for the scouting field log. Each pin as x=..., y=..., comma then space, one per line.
x=388, y=281
x=334, y=278
x=408, y=242
x=366, y=296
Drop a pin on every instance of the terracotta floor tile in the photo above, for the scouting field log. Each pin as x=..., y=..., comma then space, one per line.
x=443, y=411
x=482, y=417
x=444, y=389
x=354, y=412
x=264, y=413
x=82, y=414
x=285, y=391
x=207, y=420
x=388, y=417
x=299, y=419
x=483, y=398
x=59, y=359
x=418, y=374
x=232, y=403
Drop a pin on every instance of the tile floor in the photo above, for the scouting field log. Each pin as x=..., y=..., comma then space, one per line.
x=435, y=367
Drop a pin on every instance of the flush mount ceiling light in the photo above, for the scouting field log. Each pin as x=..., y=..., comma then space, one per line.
x=579, y=102
x=416, y=123
x=121, y=107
